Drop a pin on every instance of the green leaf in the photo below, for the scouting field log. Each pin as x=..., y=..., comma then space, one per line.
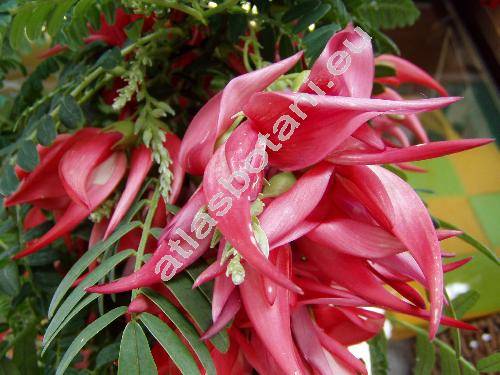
x=57, y=17
x=52, y=331
x=176, y=350
x=77, y=294
x=8, y=180
x=25, y=356
x=37, y=19
x=464, y=302
x=134, y=30
x=311, y=17
x=384, y=70
x=316, y=41
x=9, y=279
x=448, y=361
x=110, y=59
x=17, y=37
x=46, y=130
x=135, y=356
x=471, y=241
x=286, y=46
x=236, y=27
x=378, y=89
x=84, y=261
x=27, y=157
x=489, y=364
x=8, y=367
x=388, y=14
x=107, y=355
x=193, y=301
x=185, y=328
x=299, y=10
x=88, y=333
x=70, y=113
x=267, y=39
x=378, y=354
x=426, y=356
x=194, y=271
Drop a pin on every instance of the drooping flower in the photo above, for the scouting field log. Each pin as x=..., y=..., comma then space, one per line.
x=77, y=174
x=305, y=263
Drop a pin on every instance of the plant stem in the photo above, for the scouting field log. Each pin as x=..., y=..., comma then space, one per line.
x=173, y=4
x=456, y=333
x=438, y=342
x=153, y=203
x=220, y=8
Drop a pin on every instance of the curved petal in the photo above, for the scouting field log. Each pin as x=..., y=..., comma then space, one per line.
x=410, y=121
x=411, y=223
x=406, y=72
x=216, y=116
x=228, y=312
x=296, y=204
x=353, y=46
x=328, y=121
x=79, y=161
x=235, y=221
x=341, y=352
x=174, y=252
x=173, y=145
x=43, y=182
x=275, y=318
x=140, y=165
x=308, y=342
x=113, y=169
x=356, y=238
x=407, y=154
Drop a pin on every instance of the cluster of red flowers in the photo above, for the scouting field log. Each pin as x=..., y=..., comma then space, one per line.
x=335, y=231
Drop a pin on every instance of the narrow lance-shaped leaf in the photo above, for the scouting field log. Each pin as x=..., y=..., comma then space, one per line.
x=471, y=241
x=135, y=356
x=185, y=328
x=197, y=307
x=78, y=293
x=489, y=364
x=171, y=343
x=425, y=356
x=81, y=265
x=88, y=333
x=85, y=302
x=378, y=354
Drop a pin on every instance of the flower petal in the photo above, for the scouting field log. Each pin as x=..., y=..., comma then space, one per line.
x=75, y=213
x=79, y=161
x=166, y=261
x=295, y=204
x=411, y=224
x=273, y=318
x=353, y=45
x=235, y=222
x=406, y=154
x=328, y=121
x=308, y=342
x=140, y=165
x=406, y=72
x=216, y=116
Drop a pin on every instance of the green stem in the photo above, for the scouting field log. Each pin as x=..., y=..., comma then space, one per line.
x=173, y=4
x=456, y=333
x=220, y=8
x=153, y=203
x=436, y=341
